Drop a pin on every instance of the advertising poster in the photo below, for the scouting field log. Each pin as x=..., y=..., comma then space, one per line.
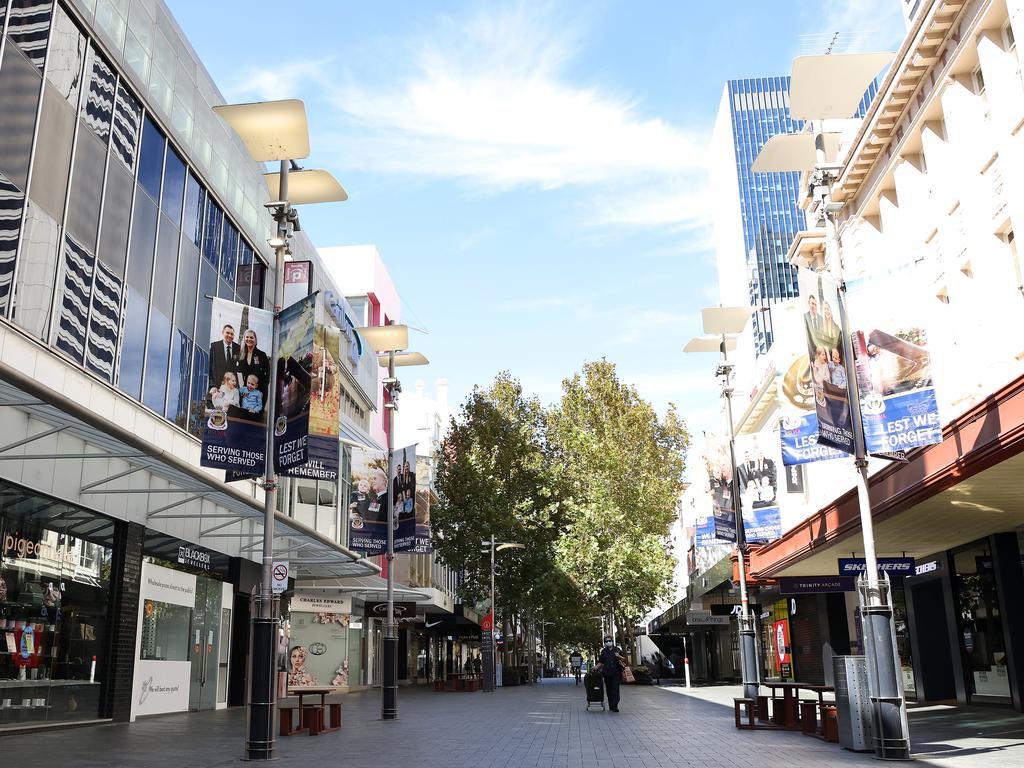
x=234, y=432
x=799, y=421
x=368, y=502
x=294, y=384
x=322, y=447
x=423, y=545
x=403, y=490
x=757, y=471
x=894, y=371
x=705, y=533
x=719, y=468
x=318, y=654
x=783, y=657
x=829, y=371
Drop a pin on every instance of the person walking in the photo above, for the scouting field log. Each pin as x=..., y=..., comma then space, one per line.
x=611, y=663
x=576, y=663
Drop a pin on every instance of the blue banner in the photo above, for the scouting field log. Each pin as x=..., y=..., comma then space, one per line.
x=800, y=444
x=896, y=567
x=294, y=382
x=762, y=525
x=901, y=422
x=705, y=534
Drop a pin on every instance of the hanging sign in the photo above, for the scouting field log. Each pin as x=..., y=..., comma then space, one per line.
x=279, y=573
x=294, y=383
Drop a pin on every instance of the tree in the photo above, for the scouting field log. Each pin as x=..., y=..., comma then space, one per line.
x=622, y=471
x=494, y=478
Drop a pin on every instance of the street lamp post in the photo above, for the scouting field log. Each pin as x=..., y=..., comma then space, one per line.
x=393, y=342
x=723, y=323
x=491, y=669
x=274, y=131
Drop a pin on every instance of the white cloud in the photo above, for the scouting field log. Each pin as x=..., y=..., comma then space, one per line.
x=490, y=101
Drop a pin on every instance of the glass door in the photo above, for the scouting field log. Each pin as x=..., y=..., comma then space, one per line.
x=205, y=639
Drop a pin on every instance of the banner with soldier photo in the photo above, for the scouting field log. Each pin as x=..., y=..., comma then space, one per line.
x=757, y=472
x=798, y=421
x=322, y=447
x=403, y=489
x=368, y=501
x=235, y=428
x=718, y=464
x=894, y=370
x=828, y=369
x=423, y=490
x=294, y=383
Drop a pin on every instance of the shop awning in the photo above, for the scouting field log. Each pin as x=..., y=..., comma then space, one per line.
x=353, y=435
x=236, y=515
x=369, y=588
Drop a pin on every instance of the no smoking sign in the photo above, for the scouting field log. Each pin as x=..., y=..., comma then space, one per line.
x=279, y=571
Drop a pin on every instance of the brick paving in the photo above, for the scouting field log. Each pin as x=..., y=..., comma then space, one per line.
x=544, y=726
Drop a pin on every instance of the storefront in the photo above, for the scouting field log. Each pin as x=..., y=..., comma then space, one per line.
x=55, y=609
x=322, y=642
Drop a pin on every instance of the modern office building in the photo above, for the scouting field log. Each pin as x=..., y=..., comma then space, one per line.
x=125, y=207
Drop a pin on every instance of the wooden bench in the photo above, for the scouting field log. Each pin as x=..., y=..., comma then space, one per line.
x=313, y=719
x=748, y=705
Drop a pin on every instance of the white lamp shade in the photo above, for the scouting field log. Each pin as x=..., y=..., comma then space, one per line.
x=793, y=152
x=385, y=338
x=404, y=359
x=710, y=344
x=312, y=186
x=832, y=86
x=271, y=130
x=719, y=320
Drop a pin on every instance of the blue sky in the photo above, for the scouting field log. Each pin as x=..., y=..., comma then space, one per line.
x=534, y=174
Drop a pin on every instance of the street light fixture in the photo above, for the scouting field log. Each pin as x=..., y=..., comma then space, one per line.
x=272, y=130
x=723, y=324
x=824, y=87
x=490, y=681
x=390, y=342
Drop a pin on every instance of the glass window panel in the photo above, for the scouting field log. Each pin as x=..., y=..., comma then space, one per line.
x=36, y=269
x=211, y=231
x=160, y=90
x=53, y=153
x=229, y=253
x=207, y=289
x=178, y=379
x=256, y=293
x=136, y=56
x=11, y=203
x=154, y=390
x=117, y=215
x=188, y=276
x=140, y=254
x=192, y=219
x=19, y=95
x=166, y=266
x=29, y=27
x=151, y=160
x=110, y=17
x=98, y=109
x=174, y=186
x=133, y=344
x=165, y=630
x=83, y=218
x=104, y=321
x=125, y=136
x=225, y=290
x=197, y=404
x=243, y=283
x=67, y=51
x=79, y=265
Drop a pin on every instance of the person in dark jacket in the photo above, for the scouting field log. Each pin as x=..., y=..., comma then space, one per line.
x=611, y=663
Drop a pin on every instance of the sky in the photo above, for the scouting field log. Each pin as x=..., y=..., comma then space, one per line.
x=534, y=174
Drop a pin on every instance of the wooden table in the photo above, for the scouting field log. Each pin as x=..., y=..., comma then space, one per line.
x=311, y=716
x=790, y=697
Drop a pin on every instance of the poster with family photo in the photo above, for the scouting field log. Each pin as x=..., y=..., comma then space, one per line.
x=797, y=417
x=294, y=383
x=372, y=488
x=234, y=431
x=757, y=471
x=829, y=370
x=894, y=367
x=718, y=464
x=322, y=447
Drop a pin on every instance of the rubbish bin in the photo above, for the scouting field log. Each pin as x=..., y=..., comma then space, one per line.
x=853, y=702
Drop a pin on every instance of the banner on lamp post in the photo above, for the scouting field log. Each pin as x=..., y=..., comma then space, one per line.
x=719, y=468
x=799, y=420
x=294, y=382
x=368, y=501
x=403, y=489
x=894, y=367
x=322, y=446
x=829, y=370
x=235, y=404
x=757, y=471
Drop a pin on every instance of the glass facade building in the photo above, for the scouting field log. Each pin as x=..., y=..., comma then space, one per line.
x=112, y=246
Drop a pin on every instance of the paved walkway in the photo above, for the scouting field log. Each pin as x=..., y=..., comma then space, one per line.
x=545, y=726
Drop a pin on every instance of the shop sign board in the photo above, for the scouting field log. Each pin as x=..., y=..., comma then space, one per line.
x=705, y=620
x=404, y=611
x=928, y=567
x=313, y=602
x=814, y=585
x=896, y=567
x=194, y=557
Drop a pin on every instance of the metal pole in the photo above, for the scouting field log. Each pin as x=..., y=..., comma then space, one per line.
x=889, y=711
x=492, y=668
x=389, y=689
x=686, y=662
x=259, y=742
x=748, y=651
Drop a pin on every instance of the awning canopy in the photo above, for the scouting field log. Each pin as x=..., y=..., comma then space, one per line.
x=237, y=515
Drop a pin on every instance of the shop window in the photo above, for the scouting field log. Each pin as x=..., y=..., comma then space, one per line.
x=165, y=631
